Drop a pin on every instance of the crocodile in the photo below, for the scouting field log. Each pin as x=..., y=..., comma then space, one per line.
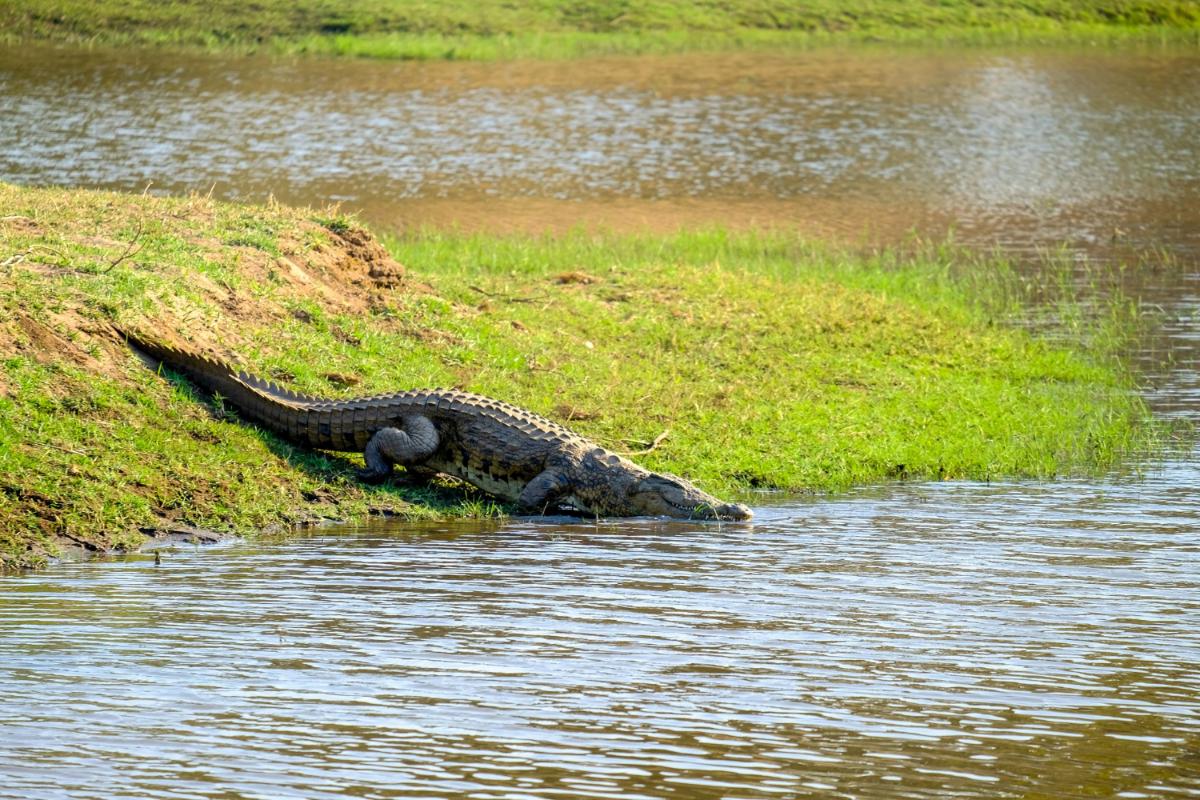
x=508, y=452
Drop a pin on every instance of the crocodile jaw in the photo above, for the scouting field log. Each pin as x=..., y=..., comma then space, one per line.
x=670, y=496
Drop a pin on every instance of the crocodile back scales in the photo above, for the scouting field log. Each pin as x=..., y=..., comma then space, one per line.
x=348, y=424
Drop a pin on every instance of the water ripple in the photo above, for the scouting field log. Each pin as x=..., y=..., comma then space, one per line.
x=1021, y=149
x=929, y=640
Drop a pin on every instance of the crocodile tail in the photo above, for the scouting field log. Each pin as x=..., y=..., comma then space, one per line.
x=254, y=398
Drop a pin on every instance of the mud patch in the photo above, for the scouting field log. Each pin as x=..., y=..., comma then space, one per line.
x=21, y=224
x=360, y=250
x=575, y=277
x=431, y=336
x=44, y=344
x=180, y=534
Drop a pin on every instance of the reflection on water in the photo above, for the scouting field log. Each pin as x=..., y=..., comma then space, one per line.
x=1024, y=148
x=924, y=641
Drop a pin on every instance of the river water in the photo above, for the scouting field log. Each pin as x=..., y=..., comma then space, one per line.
x=1012, y=147
x=1021, y=639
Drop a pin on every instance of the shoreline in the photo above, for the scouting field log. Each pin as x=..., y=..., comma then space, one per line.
x=739, y=359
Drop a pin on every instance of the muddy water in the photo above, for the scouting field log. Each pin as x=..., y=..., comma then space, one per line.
x=1004, y=640
x=1021, y=148
x=945, y=640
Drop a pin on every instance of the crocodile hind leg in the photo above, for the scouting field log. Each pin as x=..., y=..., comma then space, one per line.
x=408, y=445
x=543, y=491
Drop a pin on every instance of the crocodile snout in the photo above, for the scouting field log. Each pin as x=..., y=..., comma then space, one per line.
x=733, y=512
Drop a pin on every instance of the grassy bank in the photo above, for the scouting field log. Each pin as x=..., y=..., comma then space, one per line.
x=752, y=359
x=490, y=29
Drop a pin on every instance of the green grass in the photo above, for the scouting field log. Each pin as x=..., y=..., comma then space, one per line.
x=767, y=360
x=490, y=29
x=777, y=362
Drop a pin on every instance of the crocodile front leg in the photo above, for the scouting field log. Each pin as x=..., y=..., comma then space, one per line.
x=409, y=445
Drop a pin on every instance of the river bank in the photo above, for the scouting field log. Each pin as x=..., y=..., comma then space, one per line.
x=493, y=30
x=743, y=360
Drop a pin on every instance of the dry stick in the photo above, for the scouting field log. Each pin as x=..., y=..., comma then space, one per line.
x=508, y=297
x=18, y=257
x=48, y=446
x=653, y=445
x=129, y=250
x=14, y=259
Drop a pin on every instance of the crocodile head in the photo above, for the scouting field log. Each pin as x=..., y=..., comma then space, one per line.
x=657, y=494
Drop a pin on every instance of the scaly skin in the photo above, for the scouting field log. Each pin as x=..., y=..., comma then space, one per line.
x=506, y=451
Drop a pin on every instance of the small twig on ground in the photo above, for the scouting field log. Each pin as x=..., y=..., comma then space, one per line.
x=49, y=445
x=132, y=249
x=14, y=259
x=51, y=250
x=653, y=445
x=508, y=297
x=22, y=255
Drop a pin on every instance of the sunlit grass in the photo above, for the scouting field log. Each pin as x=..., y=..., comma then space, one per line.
x=494, y=29
x=778, y=362
x=751, y=359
